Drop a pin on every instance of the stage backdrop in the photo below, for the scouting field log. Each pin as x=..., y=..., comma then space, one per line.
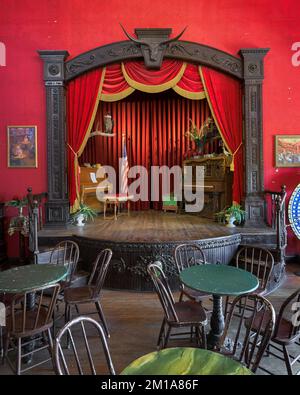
x=155, y=127
x=163, y=127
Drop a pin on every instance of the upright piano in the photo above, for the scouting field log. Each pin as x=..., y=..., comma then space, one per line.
x=217, y=182
x=90, y=177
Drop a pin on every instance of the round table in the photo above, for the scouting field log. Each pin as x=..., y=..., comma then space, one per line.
x=185, y=361
x=26, y=278
x=218, y=280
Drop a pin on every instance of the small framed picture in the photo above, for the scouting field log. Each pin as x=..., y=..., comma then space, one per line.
x=287, y=150
x=21, y=146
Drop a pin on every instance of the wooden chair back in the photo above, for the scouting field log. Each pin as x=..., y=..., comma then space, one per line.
x=258, y=261
x=66, y=253
x=99, y=271
x=27, y=322
x=290, y=311
x=247, y=332
x=163, y=290
x=187, y=255
x=81, y=358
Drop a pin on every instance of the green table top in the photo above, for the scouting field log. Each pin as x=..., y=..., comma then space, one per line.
x=25, y=278
x=185, y=361
x=219, y=279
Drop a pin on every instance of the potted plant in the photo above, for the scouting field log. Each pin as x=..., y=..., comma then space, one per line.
x=18, y=203
x=198, y=135
x=83, y=214
x=233, y=215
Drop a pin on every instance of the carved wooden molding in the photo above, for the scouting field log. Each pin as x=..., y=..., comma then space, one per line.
x=57, y=206
x=253, y=74
x=127, y=50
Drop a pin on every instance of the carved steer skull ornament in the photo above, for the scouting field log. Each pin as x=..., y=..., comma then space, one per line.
x=152, y=48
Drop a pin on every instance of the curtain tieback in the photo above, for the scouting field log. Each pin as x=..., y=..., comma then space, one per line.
x=75, y=153
x=233, y=155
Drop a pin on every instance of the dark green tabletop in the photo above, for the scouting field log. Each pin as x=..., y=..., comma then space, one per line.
x=26, y=278
x=219, y=279
x=185, y=361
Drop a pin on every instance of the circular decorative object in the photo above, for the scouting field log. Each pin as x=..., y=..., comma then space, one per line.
x=252, y=68
x=294, y=211
x=53, y=69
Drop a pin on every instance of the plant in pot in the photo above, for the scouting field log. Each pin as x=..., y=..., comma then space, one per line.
x=198, y=135
x=83, y=214
x=233, y=215
x=18, y=203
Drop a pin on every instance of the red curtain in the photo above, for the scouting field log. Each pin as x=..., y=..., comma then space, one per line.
x=190, y=85
x=155, y=127
x=225, y=98
x=137, y=76
x=82, y=100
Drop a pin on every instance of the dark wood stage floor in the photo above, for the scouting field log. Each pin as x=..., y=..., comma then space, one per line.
x=147, y=236
x=153, y=226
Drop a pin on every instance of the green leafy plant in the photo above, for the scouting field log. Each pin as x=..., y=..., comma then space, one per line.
x=198, y=134
x=235, y=210
x=16, y=202
x=86, y=211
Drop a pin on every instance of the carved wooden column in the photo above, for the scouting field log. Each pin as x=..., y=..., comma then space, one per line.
x=57, y=206
x=253, y=73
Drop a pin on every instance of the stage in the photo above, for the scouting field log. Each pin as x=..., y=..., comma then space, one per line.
x=146, y=236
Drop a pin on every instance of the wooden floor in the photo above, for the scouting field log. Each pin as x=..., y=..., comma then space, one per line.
x=134, y=320
x=152, y=226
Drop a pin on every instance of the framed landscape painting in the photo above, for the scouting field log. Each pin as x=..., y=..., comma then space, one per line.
x=22, y=146
x=287, y=150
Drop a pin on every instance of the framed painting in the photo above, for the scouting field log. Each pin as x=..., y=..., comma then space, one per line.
x=287, y=150
x=21, y=146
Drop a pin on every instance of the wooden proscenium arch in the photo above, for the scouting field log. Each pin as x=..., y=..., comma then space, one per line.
x=248, y=68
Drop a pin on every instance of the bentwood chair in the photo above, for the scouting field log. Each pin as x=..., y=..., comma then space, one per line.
x=177, y=314
x=91, y=292
x=6, y=301
x=258, y=261
x=66, y=253
x=287, y=333
x=247, y=332
x=187, y=255
x=82, y=358
x=24, y=325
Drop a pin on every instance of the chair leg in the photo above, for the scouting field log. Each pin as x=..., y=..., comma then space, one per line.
x=161, y=333
x=19, y=357
x=203, y=333
x=167, y=336
x=226, y=306
x=66, y=312
x=5, y=350
x=50, y=339
x=287, y=361
x=1, y=342
x=181, y=296
x=68, y=318
x=77, y=309
x=192, y=332
x=102, y=318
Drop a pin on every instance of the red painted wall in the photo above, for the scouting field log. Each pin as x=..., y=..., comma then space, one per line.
x=77, y=25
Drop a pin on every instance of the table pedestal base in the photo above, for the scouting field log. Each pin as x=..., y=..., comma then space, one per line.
x=216, y=324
